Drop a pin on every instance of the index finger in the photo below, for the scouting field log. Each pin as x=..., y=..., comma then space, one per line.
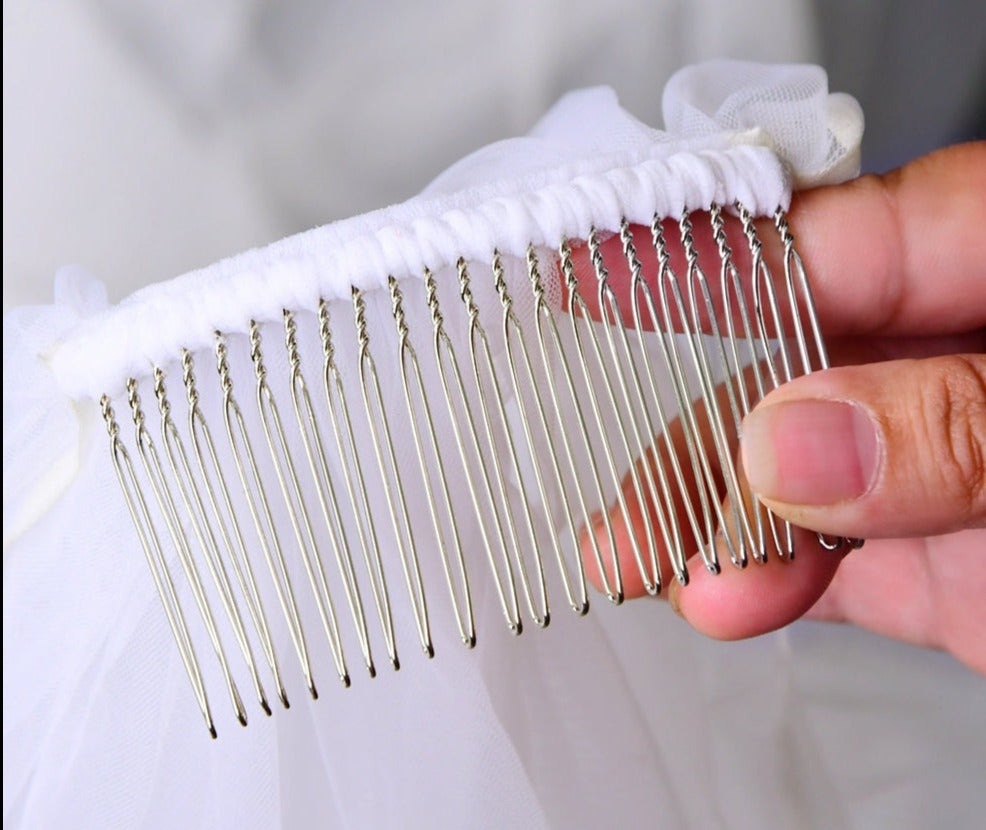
x=899, y=254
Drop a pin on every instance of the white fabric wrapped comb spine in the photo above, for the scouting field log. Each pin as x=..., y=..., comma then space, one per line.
x=737, y=132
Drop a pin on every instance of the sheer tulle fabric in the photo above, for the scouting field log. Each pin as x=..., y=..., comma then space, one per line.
x=622, y=717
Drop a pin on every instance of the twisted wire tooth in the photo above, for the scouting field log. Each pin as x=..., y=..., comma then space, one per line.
x=636, y=432
x=258, y=504
x=164, y=499
x=669, y=291
x=794, y=268
x=344, y=435
x=732, y=290
x=583, y=332
x=383, y=445
x=426, y=447
x=154, y=555
x=550, y=344
x=191, y=498
x=515, y=345
x=226, y=521
x=312, y=443
x=477, y=464
x=294, y=501
x=697, y=284
x=494, y=415
x=641, y=293
x=762, y=282
x=489, y=456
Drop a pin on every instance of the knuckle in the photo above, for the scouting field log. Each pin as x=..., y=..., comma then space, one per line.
x=956, y=423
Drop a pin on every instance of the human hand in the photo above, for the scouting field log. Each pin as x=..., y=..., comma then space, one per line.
x=890, y=446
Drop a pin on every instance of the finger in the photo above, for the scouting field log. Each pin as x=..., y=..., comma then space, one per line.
x=743, y=603
x=887, y=255
x=746, y=602
x=853, y=351
x=881, y=450
x=902, y=253
x=737, y=602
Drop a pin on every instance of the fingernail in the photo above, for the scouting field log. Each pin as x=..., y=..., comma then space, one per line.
x=812, y=452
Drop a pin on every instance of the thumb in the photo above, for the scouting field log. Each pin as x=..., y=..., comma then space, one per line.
x=886, y=449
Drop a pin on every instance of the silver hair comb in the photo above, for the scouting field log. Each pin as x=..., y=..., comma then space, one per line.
x=462, y=421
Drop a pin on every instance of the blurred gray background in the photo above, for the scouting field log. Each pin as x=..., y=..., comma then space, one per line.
x=144, y=138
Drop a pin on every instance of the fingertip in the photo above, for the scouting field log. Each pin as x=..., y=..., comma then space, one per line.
x=737, y=604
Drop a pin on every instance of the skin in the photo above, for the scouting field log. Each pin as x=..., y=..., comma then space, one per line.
x=898, y=270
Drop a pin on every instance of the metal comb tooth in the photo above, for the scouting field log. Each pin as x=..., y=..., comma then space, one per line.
x=614, y=330
x=549, y=339
x=669, y=290
x=698, y=284
x=731, y=287
x=414, y=389
x=515, y=347
x=639, y=290
x=547, y=415
x=489, y=518
x=762, y=280
x=793, y=265
x=195, y=509
x=236, y=553
x=387, y=462
x=294, y=501
x=244, y=458
x=580, y=318
x=165, y=502
x=492, y=412
x=151, y=545
x=345, y=442
x=312, y=440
